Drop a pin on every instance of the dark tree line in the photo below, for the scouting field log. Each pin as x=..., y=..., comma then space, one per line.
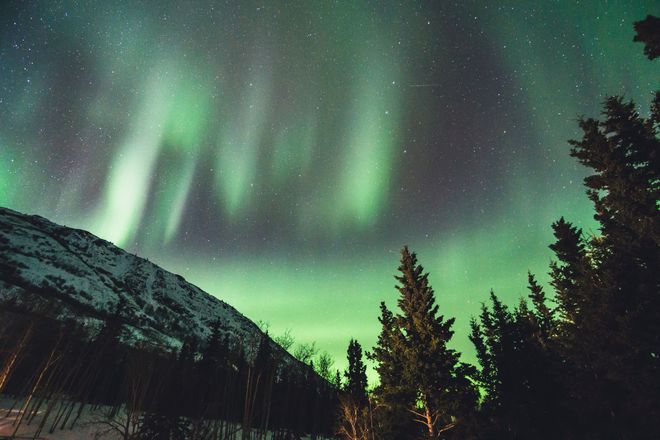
x=579, y=362
x=592, y=360
x=63, y=372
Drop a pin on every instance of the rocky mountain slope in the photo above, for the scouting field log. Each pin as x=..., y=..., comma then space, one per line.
x=87, y=276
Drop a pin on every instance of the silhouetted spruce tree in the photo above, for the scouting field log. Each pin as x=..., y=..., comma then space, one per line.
x=182, y=390
x=608, y=286
x=356, y=374
x=213, y=368
x=648, y=32
x=521, y=397
x=215, y=352
x=571, y=274
x=583, y=305
x=355, y=418
x=337, y=380
x=108, y=356
x=542, y=313
x=394, y=395
x=430, y=371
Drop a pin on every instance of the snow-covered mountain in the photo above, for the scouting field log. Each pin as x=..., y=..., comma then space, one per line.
x=87, y=276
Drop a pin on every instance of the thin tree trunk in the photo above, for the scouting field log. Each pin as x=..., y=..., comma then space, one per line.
x=23, y=410
x=429, y=421
x=9, y=365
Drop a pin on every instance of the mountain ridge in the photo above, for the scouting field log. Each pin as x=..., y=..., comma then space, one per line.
x=89, y=277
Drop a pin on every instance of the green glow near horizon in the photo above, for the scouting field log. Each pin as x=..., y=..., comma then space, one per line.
x=279, y=157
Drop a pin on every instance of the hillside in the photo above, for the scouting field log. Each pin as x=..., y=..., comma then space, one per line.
x=88, y=276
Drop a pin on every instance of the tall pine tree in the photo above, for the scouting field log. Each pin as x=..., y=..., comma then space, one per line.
x=356, y=374
x=517, y=370
x=608, y=286
x=394, y=395
x=355, y=416
x=428, y=372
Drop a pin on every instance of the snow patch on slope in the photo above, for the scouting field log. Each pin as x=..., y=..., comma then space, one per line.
x=90, y=275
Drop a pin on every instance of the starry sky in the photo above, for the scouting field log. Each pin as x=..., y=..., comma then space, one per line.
x=279, y=154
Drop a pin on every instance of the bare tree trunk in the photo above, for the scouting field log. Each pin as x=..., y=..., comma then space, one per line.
x=50, y=361
x=9, y=365
x=250, y=396
x=429, y=421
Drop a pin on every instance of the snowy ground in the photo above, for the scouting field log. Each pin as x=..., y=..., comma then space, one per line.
x=85, y=428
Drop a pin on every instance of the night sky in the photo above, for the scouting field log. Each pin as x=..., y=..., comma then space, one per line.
x=278, y=155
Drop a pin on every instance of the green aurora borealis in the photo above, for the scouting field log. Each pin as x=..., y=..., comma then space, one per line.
x=279, y=154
